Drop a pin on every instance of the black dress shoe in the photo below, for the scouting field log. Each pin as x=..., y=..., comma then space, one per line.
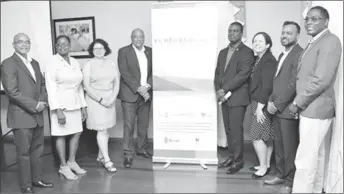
x=42, y=184
x=144, y=154
x=234, y=168
x=228, y=162
x=27, y=190
x=128, y=162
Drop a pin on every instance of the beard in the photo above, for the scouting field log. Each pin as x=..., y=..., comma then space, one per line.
x=289, y=44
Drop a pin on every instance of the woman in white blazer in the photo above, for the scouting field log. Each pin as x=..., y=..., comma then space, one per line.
x=67, y=105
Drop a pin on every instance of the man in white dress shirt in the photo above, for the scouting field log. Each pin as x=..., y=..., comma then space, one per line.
x=24, y=85
x=135, y=66
x=286, y=126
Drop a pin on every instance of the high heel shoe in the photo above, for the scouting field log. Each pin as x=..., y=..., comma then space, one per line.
x=67, y=173
x=109, y=166
x=255, y=176
x=76, y=168
x=99, y=161
x=254, y=168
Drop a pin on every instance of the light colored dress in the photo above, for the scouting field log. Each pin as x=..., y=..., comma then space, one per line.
x=101, y=80
x=65, y=91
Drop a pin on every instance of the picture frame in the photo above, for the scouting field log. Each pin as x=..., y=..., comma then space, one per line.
x=80, y=30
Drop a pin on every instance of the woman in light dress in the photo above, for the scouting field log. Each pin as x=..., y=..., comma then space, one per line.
x=101, y=83
x=67, y=105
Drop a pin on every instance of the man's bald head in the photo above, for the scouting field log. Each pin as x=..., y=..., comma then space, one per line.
x=21, y=43
x=138, y=38
x=19, y=35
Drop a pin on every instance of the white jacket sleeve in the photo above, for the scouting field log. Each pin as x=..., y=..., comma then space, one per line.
x=50, y=81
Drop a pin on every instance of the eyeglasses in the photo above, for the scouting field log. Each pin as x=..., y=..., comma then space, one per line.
x=62, y=45
x=313, y=19
x=98, y=49
x=22, y=42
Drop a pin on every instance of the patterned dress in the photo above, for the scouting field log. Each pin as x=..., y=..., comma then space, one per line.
x=260, y=131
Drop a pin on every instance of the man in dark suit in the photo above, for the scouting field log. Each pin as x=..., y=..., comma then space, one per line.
x=286, y=126
x=135, y=65
x=234, y=65
x=24, y=85
x=316, y=74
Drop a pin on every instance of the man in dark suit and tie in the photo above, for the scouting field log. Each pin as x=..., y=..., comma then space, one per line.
x=24, y=85
x=315, y=101
x=135, y=66
x=234, y=65
x=286, y=126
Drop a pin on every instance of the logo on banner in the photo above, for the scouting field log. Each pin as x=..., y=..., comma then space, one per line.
x=169, y=140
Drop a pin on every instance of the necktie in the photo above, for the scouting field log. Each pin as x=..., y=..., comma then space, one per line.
x=255, y=65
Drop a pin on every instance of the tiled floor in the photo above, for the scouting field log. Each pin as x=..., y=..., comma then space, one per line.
x=143, y=177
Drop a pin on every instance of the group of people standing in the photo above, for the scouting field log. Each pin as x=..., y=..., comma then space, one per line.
x=74, y=95
x=292, y=101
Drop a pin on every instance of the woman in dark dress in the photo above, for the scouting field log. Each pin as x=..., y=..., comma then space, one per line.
x=262, y=133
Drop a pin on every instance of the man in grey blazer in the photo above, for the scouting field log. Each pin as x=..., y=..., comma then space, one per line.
x=24, y=85
x=286, y=126
x=314, y=100
x=135, y=66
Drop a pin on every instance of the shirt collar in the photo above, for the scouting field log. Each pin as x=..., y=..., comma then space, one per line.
x=29, y=58
x=60, y=57
x=234, y=47
x=142, y=50
x=318, y=36
x=286, y=52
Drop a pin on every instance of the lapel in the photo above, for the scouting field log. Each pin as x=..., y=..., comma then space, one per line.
x=287, y=59
x=257, y=75
x=134, y=56
x=37, y=75
x=23, y=66
x=232, y=57
x=149, y=61
x=306, y=51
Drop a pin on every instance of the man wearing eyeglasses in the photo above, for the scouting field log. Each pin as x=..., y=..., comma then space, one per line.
x=24, y=85
x=316, y=74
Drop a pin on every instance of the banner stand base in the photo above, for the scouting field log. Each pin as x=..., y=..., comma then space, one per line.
x=169, y=161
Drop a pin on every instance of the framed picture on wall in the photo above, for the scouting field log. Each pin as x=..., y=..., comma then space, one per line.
x=81, y=32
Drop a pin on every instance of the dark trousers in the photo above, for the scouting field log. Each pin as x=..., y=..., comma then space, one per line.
x=29, y=144
x=140, y=110
x=233, y=118
x=286, y=143
x=2, y=152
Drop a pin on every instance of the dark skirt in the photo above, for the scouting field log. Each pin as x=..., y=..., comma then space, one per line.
x=261, y=131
